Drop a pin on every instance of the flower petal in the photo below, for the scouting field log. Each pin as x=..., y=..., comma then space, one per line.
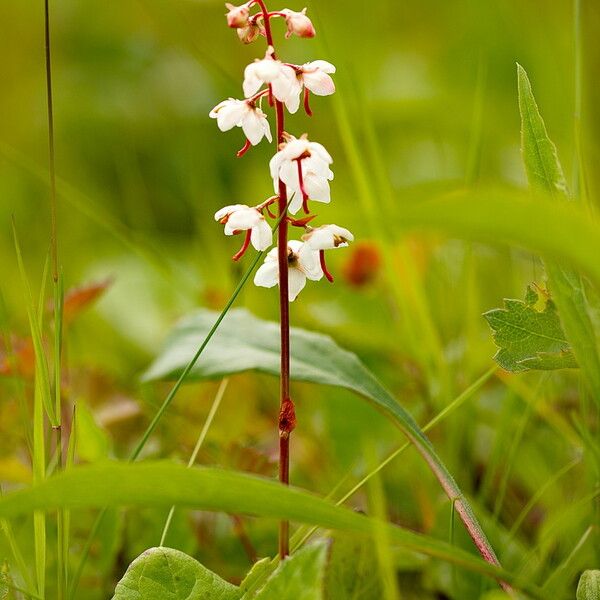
x=296, y=283
x=243, y=219
x=252, y=126
x=252, y=81
x=308, y=260
x=227, y=210
x=322, y=65
x=317, y=188
x=319, y=83
x=267, y=274
x=261, y=235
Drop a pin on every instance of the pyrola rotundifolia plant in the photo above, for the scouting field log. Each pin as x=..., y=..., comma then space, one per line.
x=301, y=172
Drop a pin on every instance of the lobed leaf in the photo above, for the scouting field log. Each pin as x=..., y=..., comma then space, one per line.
x=529, y=338
x=545, y=173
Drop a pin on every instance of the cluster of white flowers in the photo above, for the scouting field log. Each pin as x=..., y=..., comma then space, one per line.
x=303, y=166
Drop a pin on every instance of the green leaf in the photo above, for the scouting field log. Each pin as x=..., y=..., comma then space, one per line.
x=588, y=587
x=545, y=173
x=260, y=571
x=353, y=572
x=299, y=577
x=540, y=157
x=134, y=484
x=529, y=338
x=243, y=342
x=167, y=574
x=507, y=216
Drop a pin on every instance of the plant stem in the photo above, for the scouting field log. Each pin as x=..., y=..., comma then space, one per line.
x=53, y=237
x=58, y=300
x=287, y=417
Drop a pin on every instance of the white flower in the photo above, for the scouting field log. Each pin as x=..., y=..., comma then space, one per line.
x=303, y=263
x=316, y=78
x=314, y=163
x=298, y=23
x=327, y=237
x=237, y=16
x=282, y=79
x=239, y=217
x=242, y=113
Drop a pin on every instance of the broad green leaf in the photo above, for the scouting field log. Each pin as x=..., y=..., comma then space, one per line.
x=299, y=576
x=168, y=574
x=353, y=573
x=561, y=231
x=134, y=484
x=545, y=173
x=243, y=342
x=588, y=587
x=528, y=337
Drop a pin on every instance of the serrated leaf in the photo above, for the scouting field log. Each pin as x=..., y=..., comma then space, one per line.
x=529, y=338
x=299, y=576
x=353, y=572
x=588, y=587
x=244, y=342
x=545, y=173
x=168, y=574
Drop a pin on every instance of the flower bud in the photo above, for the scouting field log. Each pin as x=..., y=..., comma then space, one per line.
x=298, y=24
x=237, y=16
x=250, y=32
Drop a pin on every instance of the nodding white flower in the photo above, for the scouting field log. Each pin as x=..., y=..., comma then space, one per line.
x=282, y=79
x=303, y=263
x=304, y=167
x=245, y=114
x=327, y=237
x=298, y=23
x=315, y=77
x=240, y=217
x=237, y=16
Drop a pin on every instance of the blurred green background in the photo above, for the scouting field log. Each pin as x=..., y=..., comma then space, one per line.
x=426, y=104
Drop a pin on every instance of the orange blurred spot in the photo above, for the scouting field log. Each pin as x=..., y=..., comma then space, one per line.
x=363, y=265
x=20, y=360
x=79, y=298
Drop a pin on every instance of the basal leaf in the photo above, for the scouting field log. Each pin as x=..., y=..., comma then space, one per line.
x=168, y=574
x=545, y=173
x=299, y=577
x=588, y=587
x=529, y=338
x=243, y=342
x=134, y=484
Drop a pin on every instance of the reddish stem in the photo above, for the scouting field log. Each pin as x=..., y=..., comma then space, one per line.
x=326, y=272
x=244, y=149
x=286, y=404
x=306, y=102
x=244, y=247
x=258, y=95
